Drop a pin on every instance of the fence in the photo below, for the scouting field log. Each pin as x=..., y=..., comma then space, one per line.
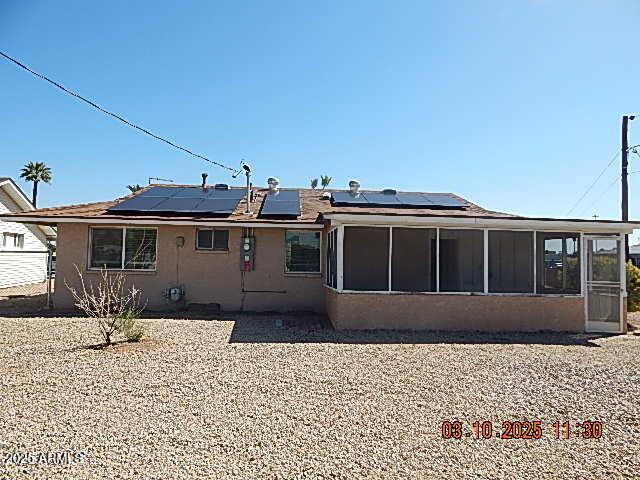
x=26, y=278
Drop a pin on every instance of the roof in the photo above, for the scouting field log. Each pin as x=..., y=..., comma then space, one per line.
x=314, y=211
x=20, y=198
x=312, y=207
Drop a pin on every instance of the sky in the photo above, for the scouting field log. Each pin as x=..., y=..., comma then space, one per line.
x=515, y=104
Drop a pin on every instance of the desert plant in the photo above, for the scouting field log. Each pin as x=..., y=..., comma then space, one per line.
x=314, y=183
x=36, y=172
x=106, y=302
x=633, y=287
x=134, y=188
x=325, y=180
x=129, y=326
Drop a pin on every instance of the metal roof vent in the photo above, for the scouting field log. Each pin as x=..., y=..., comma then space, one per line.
x=354, y=188
x=221, y=186
x=326, y=196
x=389, y=191
x=273, y=183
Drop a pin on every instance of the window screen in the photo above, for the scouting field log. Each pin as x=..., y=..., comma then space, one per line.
x=140, y=248
x=413, y=260
x=510, y=262
x=106, y=248
x=461, y=260
x=366, y=258
x=558, y=262
x=302, y=251
x=332, y=259
x=208, y=239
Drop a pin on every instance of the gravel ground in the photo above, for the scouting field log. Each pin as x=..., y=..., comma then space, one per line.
x=246, y=399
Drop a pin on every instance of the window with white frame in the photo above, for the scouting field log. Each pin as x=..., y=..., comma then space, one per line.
x=212, y=239
x=558, y=263
x=302, y=251
x=12, y=240
x=332, y=258
x=123, y=248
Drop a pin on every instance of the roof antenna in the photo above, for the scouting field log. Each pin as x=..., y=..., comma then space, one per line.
x=161, y=179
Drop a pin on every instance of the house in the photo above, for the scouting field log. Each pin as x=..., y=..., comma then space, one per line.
x=23, y=247
x=368, y=259
x=634, y=255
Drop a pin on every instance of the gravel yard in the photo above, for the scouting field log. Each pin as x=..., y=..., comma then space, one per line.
x=245, y=399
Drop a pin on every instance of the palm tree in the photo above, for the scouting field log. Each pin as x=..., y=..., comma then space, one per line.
x=325, y=180
x=134, y=188
x=314, y=183
x=36, y=172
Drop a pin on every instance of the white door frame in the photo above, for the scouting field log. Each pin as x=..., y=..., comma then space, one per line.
x=604, y=327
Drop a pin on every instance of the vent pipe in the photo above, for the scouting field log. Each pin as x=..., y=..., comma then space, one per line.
x=247, y=172
x=273, y=183
x=204, y=180
x=354, y=187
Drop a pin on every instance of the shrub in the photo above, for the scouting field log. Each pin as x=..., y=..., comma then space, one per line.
x=633, y=287
x=129, y=326
x=107, y=302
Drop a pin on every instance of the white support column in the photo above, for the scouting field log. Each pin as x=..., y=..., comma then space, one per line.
x=390, y=256
x=583, y=265
x=437, y=259
x=486, y=260
x=535, y=262
x=623, y=279
x=340, y=258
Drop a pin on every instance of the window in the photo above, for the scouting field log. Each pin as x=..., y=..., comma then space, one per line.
x=366, y=258
x=123, y=248
x=510, y=262
x=13, y=240
x=302, y=251
x=332, y=259
x=413, y=260
x=558, y=262
x=208, y=239
x=461, y=260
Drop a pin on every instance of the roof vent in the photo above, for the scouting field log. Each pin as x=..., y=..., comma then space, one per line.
x=389, y=191
x=221, y=186
x=326, y=196
x=204, y=180
x=354, y=187
x=273, y=183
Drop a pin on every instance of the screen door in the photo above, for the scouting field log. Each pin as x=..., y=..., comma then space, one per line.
x=604, y=289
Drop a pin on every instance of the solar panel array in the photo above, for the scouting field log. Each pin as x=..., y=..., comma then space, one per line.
x=285, y=203
x=400, y=199
x=183, y=200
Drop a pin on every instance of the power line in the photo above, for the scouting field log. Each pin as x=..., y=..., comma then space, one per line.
x=594, y=182
x=114, y=115
x=606, y=190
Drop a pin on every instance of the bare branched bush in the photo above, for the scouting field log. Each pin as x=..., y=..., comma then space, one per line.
x=107, y=302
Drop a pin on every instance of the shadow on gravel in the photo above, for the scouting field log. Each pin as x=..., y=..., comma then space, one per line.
x=312, y=329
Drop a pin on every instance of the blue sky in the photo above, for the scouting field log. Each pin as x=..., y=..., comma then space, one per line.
x=513, y=104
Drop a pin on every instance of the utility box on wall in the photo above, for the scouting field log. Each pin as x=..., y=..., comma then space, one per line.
x=247, y=254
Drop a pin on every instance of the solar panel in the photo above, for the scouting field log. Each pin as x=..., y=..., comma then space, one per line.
x=445, y=201
x=346, y=197
x=375, y=198
x=138, y=203
x=283, y=203
x=182, y=200
x=414, y=200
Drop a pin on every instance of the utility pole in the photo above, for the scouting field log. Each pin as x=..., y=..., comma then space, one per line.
x=625, y=178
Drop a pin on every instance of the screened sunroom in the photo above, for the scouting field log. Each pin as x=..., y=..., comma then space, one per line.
x=519, y=274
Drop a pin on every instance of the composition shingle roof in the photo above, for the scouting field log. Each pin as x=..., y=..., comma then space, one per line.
x=312, y=207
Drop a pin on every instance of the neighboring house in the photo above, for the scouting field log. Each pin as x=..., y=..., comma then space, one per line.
x=634, y=254
x=367, y=259
x=23, y=257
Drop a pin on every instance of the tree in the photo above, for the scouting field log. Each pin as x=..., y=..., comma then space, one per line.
x=314, y=183
x=134, y=188
x=633, y=287
x=325, y=180
x=36, y=172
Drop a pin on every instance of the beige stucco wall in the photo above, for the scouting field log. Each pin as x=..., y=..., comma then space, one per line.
x=208, y=277
x=454, y=312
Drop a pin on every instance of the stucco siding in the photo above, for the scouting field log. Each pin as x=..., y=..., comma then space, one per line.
x=454, y=312
x=16, y=267
x=207, y=277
